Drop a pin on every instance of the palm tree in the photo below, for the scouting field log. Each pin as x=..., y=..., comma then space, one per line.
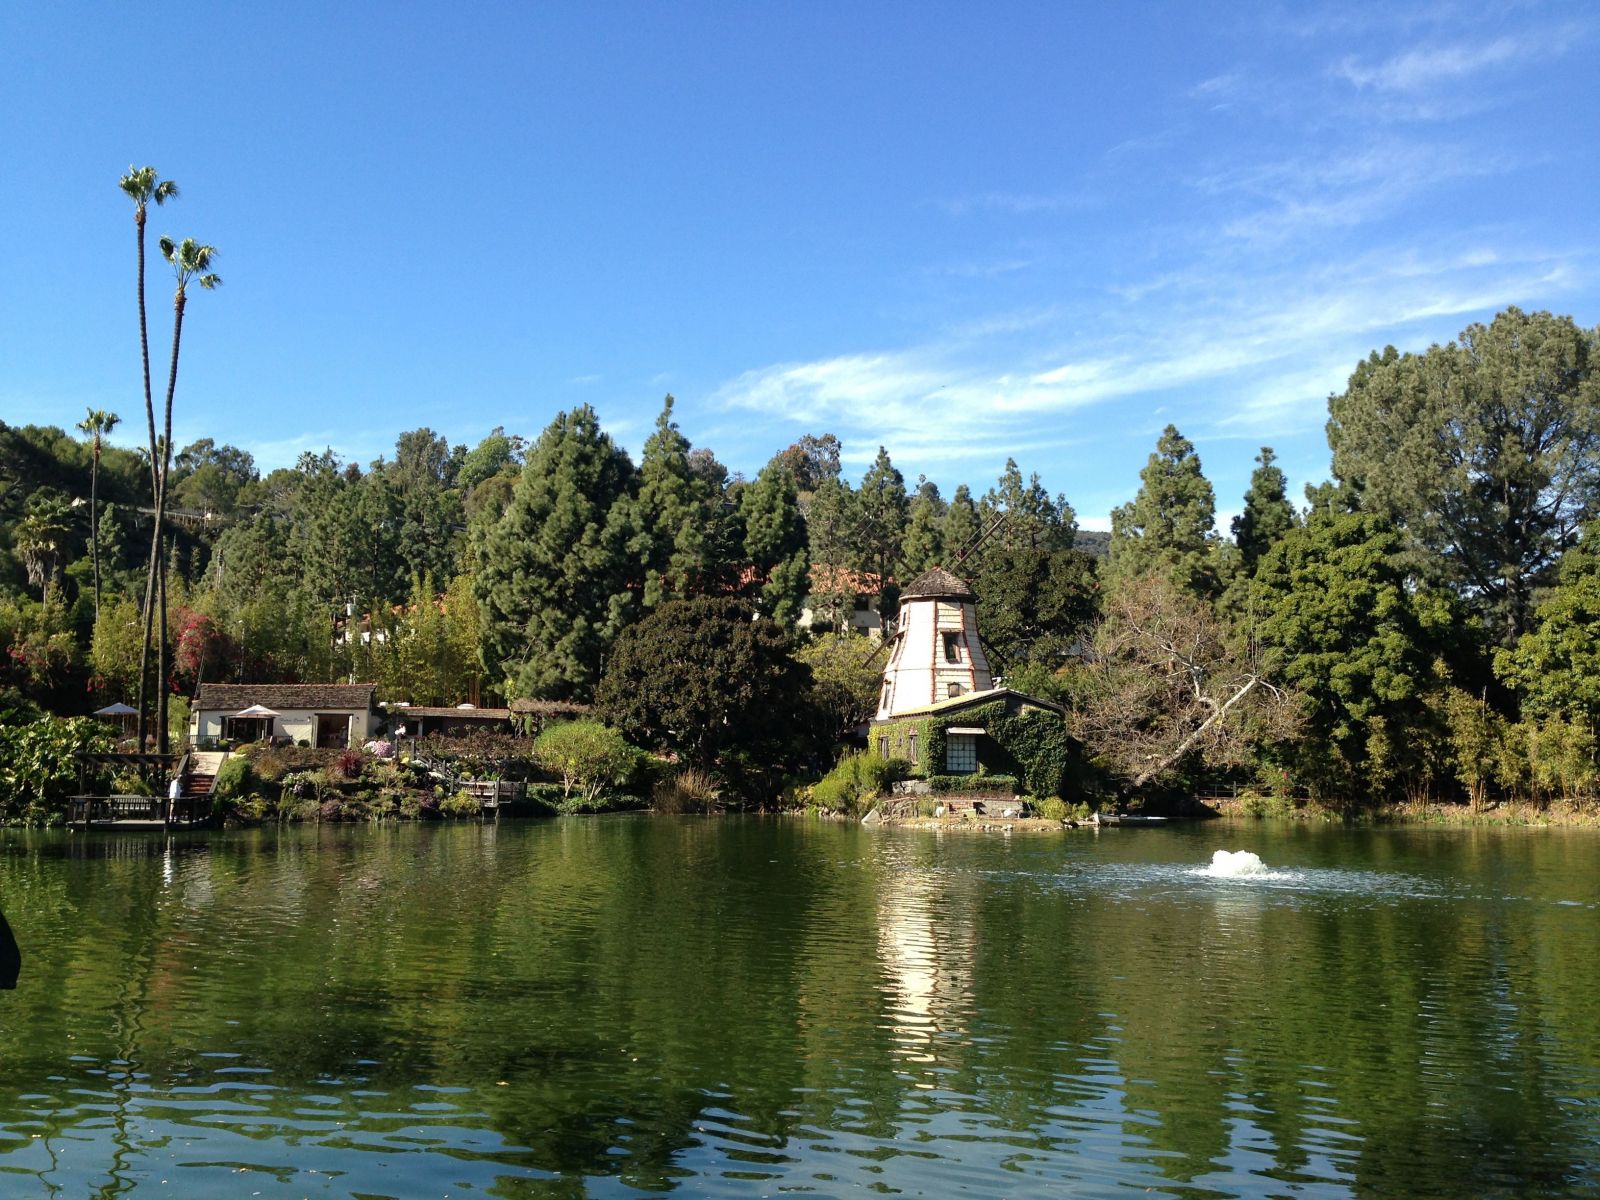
x=97, y=424
x=142, y=186
x=191, y=263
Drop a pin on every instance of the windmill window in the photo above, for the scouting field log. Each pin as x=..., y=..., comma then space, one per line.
x=952, y=647
x=953, y=690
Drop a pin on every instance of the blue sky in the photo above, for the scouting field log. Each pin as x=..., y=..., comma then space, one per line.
x=965, y=232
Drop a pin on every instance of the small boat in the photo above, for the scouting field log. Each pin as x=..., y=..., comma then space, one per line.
x=1122, y=818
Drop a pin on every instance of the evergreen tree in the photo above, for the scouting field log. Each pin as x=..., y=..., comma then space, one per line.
x=1356, y=635
x=775, y=543
x=961, y=523
x=831, y=520
x=422, y=478
x=1034, y=519
x=1167, y=529
x=1267, y=514
x=1482, y=452
x=923, y=545
x=1035, y=603
x=1555, y=666
x=676, y=512
x=553, y=574
x=881, y=524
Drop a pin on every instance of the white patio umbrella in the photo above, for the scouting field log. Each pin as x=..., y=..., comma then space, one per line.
x=116, y=710
x=257, y=710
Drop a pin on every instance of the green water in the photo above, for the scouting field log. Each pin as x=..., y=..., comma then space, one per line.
x=616, y=1006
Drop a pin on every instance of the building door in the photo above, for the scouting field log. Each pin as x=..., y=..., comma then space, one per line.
x=333, y=731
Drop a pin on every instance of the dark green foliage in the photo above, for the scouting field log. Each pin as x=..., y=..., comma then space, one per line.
x=1481, y=452
x=1047, y=757
x=775, y=544
x=924, y=544
x=713, y=682
x=960, y=524
x=1267, y=514
x=881, y=506
x=1360, y=640
x=553, y=573
x=1167, y=530
x=38, y=765
x=831, y=520
x=1555, y=666
x=1035, y=604
x=1033, y=518
x=676, y=517
x=987, y=782
x=856, y=782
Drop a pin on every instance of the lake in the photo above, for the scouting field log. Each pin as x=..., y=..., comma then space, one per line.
x=618, y=1006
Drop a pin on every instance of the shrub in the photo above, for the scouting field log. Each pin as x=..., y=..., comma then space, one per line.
x=1051, y=808
x=972, y=783
x=38, y=770
x=234, y=779
x=688, y=791
x=348, y=764
x=855, y=782
x=590, y=758
x=546, y=796
x=460, y=805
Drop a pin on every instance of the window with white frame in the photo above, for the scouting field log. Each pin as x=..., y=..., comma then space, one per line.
x=960, y=753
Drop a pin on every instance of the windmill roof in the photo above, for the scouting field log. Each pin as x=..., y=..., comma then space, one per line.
x=938, y=582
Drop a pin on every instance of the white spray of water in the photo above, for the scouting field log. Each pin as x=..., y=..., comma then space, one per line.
x=1237, y=864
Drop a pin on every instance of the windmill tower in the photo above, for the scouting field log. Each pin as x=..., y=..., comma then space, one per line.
x=935, y=653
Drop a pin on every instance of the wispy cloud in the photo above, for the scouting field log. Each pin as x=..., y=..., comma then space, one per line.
x=1263, y=358
x=1428, y=67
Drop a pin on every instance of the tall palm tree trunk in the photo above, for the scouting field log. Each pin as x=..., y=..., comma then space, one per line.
x=162, y=733
x=94, y=522
x=155, y=494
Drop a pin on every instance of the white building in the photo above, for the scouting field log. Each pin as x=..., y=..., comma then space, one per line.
x=934, y=653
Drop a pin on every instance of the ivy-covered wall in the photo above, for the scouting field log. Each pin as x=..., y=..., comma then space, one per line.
x=1031, y=744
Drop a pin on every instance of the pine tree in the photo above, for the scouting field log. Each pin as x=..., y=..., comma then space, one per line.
x=553, y=573
x=1035, y=519
x=1267, y=514
x=775, y=542
x=961, y=523
x=675, y=515
x=923, y=545
x=881, y=502
x=1167, y=530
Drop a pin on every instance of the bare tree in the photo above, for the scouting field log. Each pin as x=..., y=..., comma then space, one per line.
x=1167, y=683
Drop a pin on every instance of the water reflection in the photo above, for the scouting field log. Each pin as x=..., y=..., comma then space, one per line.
x=926, y=952
x=719, y=1007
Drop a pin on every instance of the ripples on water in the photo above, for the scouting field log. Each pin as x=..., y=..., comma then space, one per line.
x=745, y=1008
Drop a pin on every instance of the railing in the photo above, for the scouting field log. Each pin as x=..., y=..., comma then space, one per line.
x=491, y=793
x=109, y=810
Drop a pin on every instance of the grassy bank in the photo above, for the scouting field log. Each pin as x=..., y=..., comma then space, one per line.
x=1556, y=813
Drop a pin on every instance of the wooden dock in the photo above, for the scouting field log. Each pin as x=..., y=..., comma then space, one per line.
x=139, y=812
